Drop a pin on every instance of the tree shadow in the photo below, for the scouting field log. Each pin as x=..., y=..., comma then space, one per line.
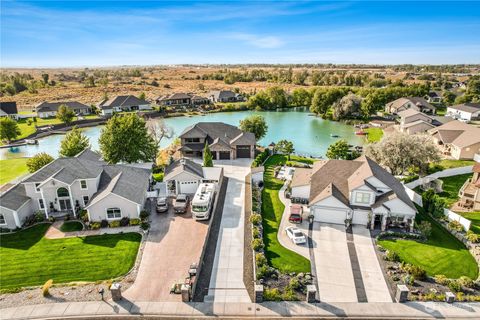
x=24, y=239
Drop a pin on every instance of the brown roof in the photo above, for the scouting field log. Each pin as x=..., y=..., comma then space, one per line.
x=396, y=104
x=301, y=177
x=457, y=133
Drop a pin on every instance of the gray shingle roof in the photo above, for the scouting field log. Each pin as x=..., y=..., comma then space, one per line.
x=467, y=107
x=14, y=198
x=9, y=107
x=223, y=131
x=122, y=101
x=183, y=165
x=53, y=106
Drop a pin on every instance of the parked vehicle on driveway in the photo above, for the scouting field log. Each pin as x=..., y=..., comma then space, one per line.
x=202, y=202
x=295, y=235
x=180, y=203
x=162, y=204
x=296, y=211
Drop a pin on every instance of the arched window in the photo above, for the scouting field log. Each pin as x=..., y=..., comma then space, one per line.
x=62, y=192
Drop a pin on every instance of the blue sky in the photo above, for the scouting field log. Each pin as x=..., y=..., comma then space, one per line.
x=104, y=33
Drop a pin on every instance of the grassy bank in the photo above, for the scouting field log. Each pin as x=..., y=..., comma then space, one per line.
x=12, y=168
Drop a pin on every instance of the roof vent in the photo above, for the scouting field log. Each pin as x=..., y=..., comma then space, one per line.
x=182, y=161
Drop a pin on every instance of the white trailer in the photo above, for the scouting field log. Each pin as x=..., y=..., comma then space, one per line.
x=202, y=202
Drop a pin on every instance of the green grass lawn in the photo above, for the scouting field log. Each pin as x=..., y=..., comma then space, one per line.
x=12, y=168
x=441, y=254
x=448, y=164
x=69, y=226
x=451, y=186
x=28, y=259
x=272, y=209
x=374, y=134
x=475, y=218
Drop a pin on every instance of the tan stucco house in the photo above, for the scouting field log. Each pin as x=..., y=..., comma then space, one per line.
x=413, y=121
x=416, y=103
x=457, y=139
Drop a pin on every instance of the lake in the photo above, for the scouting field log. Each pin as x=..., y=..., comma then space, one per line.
x=310, y=135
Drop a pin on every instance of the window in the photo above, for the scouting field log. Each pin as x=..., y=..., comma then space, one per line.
x=83, y=184
x=85, y=200
x=36, y=187
x=62, y=192
x=114, y=213
x=192, y=140
x=41, y=204
x=2, y=220
x=362, y=197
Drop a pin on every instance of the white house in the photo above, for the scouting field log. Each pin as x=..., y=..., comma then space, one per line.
x=465, y=111
x=123, y=103
x=67, y=185
x=184, y=176
x=9, y=109
x=358, y=190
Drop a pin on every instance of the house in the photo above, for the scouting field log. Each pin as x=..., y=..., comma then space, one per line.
x=357, y=190
x=464, y=111
x=225, y=96
x=225, y=141
x=66, y=185
x=415, y=103
x=182, y=99
x=123, y=103
x=413, y=121
x=184, y=176
x=49, y=109
x=457, y=139
x=9, y=109
x=470, y=191
x=433, y=97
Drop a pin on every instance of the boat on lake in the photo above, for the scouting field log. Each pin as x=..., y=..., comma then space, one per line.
x=360, y=133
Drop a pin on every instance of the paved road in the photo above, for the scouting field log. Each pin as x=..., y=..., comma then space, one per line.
x=226, y=282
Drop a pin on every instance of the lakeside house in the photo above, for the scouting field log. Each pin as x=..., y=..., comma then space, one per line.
x=465, y=111
x=67, y=185
x=123, y=103
x=181, y=99
x=9, y=109
x=225, y=96
x=416, y=103
x=50, y=109
x=225, y=141
x=413, y=121
x=357, y=190
x=457, y=139
x=470, y=191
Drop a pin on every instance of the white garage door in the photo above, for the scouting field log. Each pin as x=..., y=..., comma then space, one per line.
x=360, y=217
x=329, y=215
x=188, y=187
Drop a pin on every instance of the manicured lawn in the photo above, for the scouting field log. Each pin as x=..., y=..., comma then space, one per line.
x=451, y=186
x=12, y=168
x=69, y=226
x=374, y=134
x=272, y=209
x=28, y=259
x=441, y=254
x=448, y=164
x=475, y=218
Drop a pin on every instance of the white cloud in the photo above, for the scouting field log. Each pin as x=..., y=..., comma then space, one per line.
x=259, y=41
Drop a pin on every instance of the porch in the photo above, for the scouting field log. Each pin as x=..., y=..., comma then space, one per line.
x=387, y=221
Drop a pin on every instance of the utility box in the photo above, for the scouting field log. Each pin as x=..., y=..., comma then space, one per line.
x=449, y=297
x=185, y=293
x=258, y=293
x=402, y=293
x=311, y=293
x=116, y=291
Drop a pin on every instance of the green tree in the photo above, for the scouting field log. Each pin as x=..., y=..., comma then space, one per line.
x=45, y=78
x=38, y=161
x=207, y=156
x=65, y=114
x=339, y=150
x=73, y=143
x=286, y=147
x=255, y=124
x=9, y=129
x=448, y=98
x=300, y=98
x=125, y=138
x=347, y=107
x=142, y=96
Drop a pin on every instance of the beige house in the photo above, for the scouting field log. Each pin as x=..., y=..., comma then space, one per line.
x=413, y=121
x=50, y=109
x=470, y=192
x=416, y=103
x=457, y=139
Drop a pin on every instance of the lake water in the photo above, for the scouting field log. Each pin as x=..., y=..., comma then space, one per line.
x=310, y=135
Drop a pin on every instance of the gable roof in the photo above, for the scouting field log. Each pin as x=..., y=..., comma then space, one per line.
x=467, y=107
x=218, y=130
x=175, y=96
x=122, y=101
x=88, y=154
x=222, y=94
x=183, y=165
x=9, y=107
x=418, y=122
x=418, y=101
x=53, y=106
x=14, y=198
x=457, y=133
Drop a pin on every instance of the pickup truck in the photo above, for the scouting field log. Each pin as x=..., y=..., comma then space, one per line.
x=180, y=203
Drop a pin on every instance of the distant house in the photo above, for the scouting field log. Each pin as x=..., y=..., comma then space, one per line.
x=415, y=103
x=225, y=141
x=123, y=103
x=433, y=97
x=50, y=109
x=182, y=99
x=9, y=109
x=67, y=185
x=413, y=121
x=465, y=111
x=184, y=176
x=457, y=139
x=225, y=96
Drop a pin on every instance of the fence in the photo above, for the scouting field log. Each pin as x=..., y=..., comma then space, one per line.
x=439, y=174
x=452, y=216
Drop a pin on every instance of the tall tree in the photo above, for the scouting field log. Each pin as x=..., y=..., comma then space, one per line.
x=286, y=147
x=339, y=150
x=73, y=143
x=347, y=107
x=207, y=156
x=255, y=124
x=9, y=129
x=38, y=161
x=159, y=130
x=125, y=138
x=65, y=114
x=448, y=98
x=45, y=78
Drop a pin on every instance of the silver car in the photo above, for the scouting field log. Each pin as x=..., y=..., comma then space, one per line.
x=162, y=204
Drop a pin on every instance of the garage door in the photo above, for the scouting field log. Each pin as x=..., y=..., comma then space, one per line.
x=188, y=187
x=360, y=217
x=243, y=151
x=224, y=155
x=328, y=215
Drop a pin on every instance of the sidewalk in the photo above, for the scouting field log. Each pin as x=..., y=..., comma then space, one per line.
x=54, y=231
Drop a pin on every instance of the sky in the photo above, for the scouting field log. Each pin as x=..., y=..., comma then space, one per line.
x=113, y=33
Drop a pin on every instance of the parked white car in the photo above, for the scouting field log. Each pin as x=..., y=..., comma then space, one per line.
x=295, y=235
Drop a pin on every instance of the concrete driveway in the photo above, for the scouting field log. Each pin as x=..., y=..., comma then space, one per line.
x=174, y=242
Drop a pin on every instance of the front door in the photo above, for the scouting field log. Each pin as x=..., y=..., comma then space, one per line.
x=65, y=204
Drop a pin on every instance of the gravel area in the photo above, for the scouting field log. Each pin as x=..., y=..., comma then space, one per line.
x=86, y=291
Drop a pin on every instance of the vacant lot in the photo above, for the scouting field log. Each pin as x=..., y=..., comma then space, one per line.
x=28, y=259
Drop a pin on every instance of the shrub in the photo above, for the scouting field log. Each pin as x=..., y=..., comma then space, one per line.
x=472, y=236
x=95, y=225
x=455, y=286
x=46, y=287
x=466, y=282
x=409, y=279
x=442, y=280
x=144, y=214
x=257, y=244
x=134, y=222
x=272, y=295
x=256, y=232
x=83, y=215
x=263, y=272
x=256, y=219
x=260, y=158
x=39, y=216
x=415, y=271
x=391, y=256
x=145, y=225
x=260, y=260
x=114, y=224
x=103, y=224
x=455, y=225
x=289, y=295
x=125, y=221
x=425, y=228
x=295, y=284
